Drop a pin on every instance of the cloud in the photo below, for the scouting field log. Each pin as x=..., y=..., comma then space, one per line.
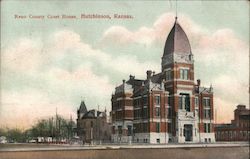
x=149, y=35
x=221, y=57
x=63, y=67
x=125, y=64
x=23, y=55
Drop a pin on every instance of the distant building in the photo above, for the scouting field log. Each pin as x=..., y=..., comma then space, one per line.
x=238, y=129
x=92, y=125
x=168, y=106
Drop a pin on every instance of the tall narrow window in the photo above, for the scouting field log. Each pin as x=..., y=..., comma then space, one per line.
x=157, y=111
x=145, y=100
x=169, y=99
x=145, y=127
x=169, y=112
x=207, y=127
x=184, y=74
x=145, y=112
x=187, y=103
x=157, y=127
x=196, y=101
x=207, y=113
x=206, y=102
x=129, y=130
x=157, y=100
x=168, y=75
x=180, y=102
x=169, y=128
x=184, y=102
x=120, y=129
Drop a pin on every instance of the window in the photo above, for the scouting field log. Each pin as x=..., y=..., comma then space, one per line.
x=145, y=127
x=207, y=127
x=196, y=101
x=113, y=129
x=119, y=105
x=145, y=112
x=169, y=99
x=169, y=128
x=158, y=141
x=157, y=127
x=207, y=113
x=184, y=102
x=137, y=113
x=145, y=100
x=206, y=102
x=135, y=128
x=180, y=102
x=137, y=102
x=157, y=111
x=168, y=75
x=184, y=74
x=129, y=130
x=120, y=130
x=157, y=100
x=169, y=112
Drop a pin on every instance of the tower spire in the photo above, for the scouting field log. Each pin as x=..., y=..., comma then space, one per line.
x=176, y=10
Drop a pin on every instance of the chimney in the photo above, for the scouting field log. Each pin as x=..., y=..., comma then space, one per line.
x=149, y=73
x=153, y=73
x=211, y=88
x=123, y=81
x=131, y=77
x=198, y=82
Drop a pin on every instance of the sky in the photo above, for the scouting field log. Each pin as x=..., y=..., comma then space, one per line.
x=49, y=64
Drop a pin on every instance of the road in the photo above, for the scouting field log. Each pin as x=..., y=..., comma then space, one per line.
x=173, y=151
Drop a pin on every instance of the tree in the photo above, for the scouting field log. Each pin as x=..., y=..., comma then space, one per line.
x=15, y=135
x=55, y=127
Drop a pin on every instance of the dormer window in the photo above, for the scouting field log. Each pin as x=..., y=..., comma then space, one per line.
x=184, y=74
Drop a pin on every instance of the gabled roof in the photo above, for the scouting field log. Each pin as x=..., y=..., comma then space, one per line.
x=157, y=78
x=177, y=41
x=83, y=108
x=93, y=114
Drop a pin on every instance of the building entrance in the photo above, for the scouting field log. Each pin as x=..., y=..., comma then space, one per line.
x=188, y=132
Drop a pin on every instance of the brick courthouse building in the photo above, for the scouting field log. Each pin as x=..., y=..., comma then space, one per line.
x=168, y=106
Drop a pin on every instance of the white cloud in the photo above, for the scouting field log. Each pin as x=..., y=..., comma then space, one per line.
x=220, y=56
x=147, y=36
x=23, y=55
x=66, y=63
x=48, y=61
x=125, y=64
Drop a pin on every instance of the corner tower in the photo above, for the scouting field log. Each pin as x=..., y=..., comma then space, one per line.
x=178, y=72
x=177, y=47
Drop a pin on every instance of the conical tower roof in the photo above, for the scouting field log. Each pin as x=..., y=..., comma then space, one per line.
x=177, y=41
x=83, y=108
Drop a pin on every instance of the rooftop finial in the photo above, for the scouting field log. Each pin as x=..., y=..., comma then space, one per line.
x=176, y=10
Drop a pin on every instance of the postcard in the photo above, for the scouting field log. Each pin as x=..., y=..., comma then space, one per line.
x=127, y=77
